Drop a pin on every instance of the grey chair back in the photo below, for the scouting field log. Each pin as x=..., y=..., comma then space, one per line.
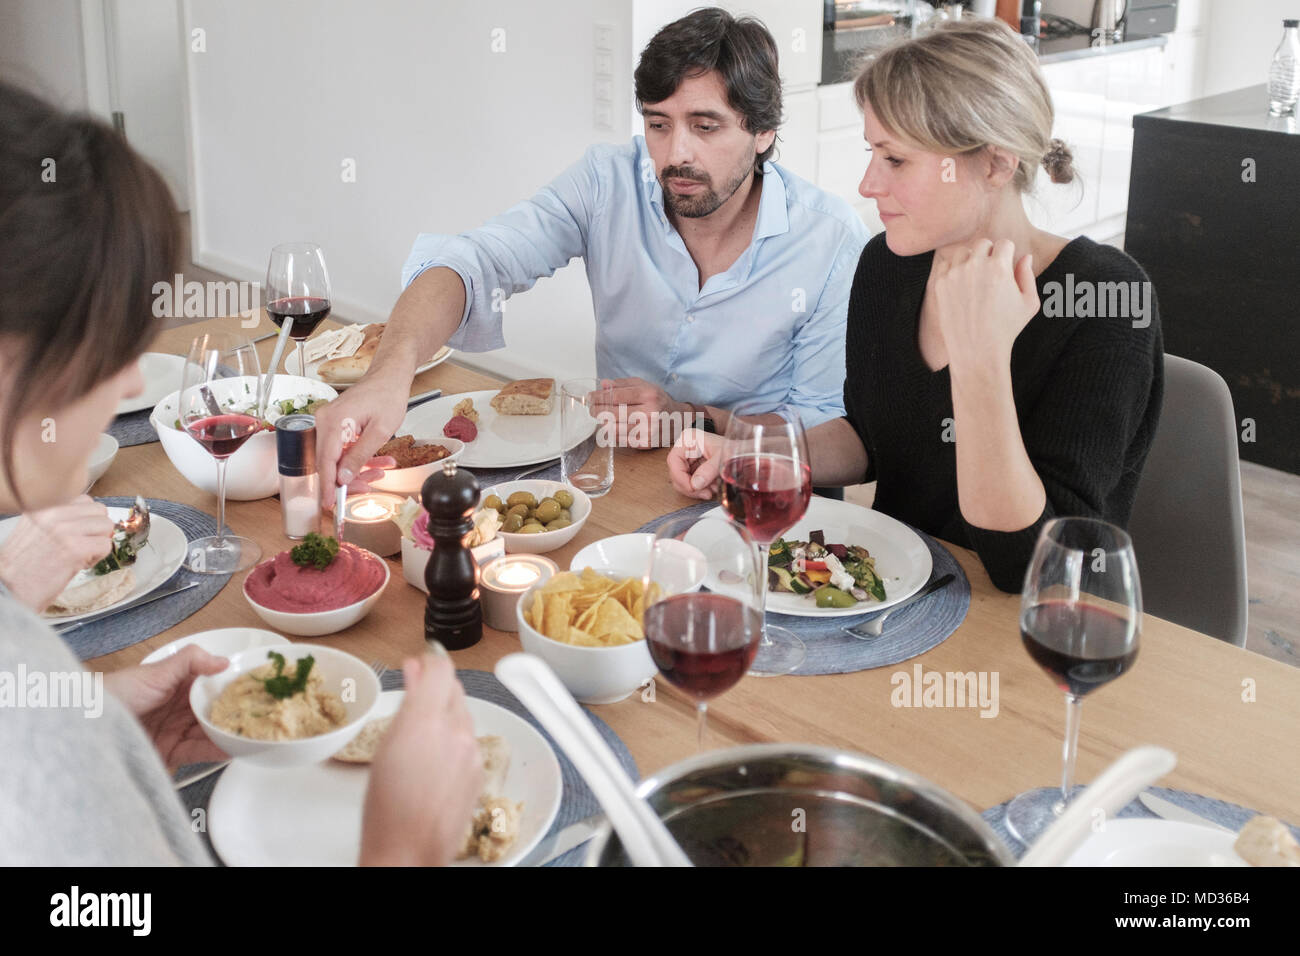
x=1187, y=526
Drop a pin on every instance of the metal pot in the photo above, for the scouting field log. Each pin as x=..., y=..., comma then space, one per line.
x=799, y=805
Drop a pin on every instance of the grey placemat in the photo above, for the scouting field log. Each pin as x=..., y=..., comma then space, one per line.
x=577, y=802
x=1225, y=814
x=487, y=477
x=133, y=428
x=141, y=623
x=913, y=630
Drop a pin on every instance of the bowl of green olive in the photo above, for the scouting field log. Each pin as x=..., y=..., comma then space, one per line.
x=537, y=515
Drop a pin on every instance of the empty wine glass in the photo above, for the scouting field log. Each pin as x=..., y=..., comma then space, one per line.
x=1080, y=620
x=702, y=641
x=766, y=487
x=217, y=408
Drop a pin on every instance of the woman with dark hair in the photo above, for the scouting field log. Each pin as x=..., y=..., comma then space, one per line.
x=979, y=400
x=86, y=229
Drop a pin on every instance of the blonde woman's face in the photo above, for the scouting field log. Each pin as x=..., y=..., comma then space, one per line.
x=925, y=200
x=52, y=447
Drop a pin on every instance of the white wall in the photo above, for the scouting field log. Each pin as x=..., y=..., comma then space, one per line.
x=1241, y=37
x=444, y=131
x=41, y=49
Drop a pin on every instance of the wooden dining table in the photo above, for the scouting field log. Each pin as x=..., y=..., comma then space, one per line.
x=1232, y=717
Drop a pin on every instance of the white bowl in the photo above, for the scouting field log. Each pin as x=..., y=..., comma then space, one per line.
x=628, y=556
x=547, y=540
x=102, y=457
x=409, y=481
x=593, y=675
x=319, y=623
x=415, y=559
x=344, y=675
x=223, y=642
x=251, y=472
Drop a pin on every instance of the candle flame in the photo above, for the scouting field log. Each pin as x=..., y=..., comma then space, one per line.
x=517, y=575
x=369, y=509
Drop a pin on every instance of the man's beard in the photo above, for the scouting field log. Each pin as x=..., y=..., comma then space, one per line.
x=703, y=203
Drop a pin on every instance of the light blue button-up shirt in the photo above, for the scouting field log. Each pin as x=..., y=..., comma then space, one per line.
x=770, y=328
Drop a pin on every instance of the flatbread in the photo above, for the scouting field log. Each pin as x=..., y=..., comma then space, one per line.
x=528, y=396
x=92, y=593
x=349, y=368
x=362, y=747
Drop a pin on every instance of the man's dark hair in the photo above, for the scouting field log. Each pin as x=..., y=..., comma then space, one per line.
x=741, y=50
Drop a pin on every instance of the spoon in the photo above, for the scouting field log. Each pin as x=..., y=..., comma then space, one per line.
x=644, y=836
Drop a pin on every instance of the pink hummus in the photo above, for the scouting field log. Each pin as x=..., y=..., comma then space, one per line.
x=281, y=585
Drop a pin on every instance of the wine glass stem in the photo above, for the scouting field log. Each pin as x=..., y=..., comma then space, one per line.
x=760, y=555
x=221, y=501
x=702, y=709
x=301, y=352
x=1073, y=708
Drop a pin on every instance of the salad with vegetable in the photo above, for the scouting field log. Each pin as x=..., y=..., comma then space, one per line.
x=275, y=409
x=836, y=575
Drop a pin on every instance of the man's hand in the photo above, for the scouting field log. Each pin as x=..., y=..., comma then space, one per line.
x=48, y=547
x=350, y=429
x=159, y=697
x=694, y=464
x=427, y=774
x=647, y=416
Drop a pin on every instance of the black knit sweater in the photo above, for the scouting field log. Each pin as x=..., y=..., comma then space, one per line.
x=1087, y=392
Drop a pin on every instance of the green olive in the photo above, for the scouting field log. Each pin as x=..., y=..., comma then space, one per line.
x=512, y=524
x=494, y=502
x=565, y=498
x=827, y=596
x=564, y=513
x=547, y=510
x=520, y=509
x=522, y=498
x=532, y=528
x=557, y=524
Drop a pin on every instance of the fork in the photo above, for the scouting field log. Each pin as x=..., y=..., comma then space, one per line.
x=875, y=627
x=534, y=470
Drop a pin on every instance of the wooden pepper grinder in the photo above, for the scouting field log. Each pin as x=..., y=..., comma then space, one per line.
x=452, y=614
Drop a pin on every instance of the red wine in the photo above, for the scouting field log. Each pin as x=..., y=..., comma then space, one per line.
x=703, y=643
x=307, y=311
x=1081, y=646
x=766, y=493
x=223, y=434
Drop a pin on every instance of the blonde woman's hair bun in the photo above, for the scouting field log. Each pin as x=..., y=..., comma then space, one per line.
x=1059, y=162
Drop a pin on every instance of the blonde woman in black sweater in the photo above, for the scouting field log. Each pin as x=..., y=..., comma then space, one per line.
x=997, y=375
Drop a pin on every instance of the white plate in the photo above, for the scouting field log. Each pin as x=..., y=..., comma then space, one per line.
x=223, y=642
x=311, y=816
x=1157, y=843
x=504, y=441
x=162, y=374
x=291, y=366
x=157, y=561
x=902, y=559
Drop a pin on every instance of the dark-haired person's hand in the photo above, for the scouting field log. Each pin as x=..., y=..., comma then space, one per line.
x=983, y=298
x=48, y=547
x=427, y=774
x=694, y=463
x=159, y=696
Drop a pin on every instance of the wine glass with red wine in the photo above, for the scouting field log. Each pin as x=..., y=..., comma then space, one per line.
x=703, y=642
x=766, y=487
x=1080, y=620
x=298, y=287
x=217, y=407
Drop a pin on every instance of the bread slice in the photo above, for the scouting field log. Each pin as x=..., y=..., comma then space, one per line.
x=1265, y=841
x=528, y=396
x=362, y=747
x=349, y=368
x=92, y=592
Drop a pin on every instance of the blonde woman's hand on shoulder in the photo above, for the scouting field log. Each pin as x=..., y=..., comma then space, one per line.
x=983, y=299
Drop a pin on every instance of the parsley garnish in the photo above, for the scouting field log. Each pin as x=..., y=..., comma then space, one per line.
x=280, y=686
x=315, y=551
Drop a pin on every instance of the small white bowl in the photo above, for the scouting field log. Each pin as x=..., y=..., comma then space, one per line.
x=547, y=540
x=102, y=457
x=628, y=556
x=319, y=623
x=415, y=559
x=251, y=472
x=223, y=642
x=593, y=675
x=344, y=675
x=409, y=481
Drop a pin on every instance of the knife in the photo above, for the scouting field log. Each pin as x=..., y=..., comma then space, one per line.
x=268, y=335
x=138, y=602
x=574, y=835
x=1172, y=811
x=422, y=398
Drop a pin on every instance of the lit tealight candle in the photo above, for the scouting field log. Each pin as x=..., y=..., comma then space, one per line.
x=368, y=523
x=504, y=581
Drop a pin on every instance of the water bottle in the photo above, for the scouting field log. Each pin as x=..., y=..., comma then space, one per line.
x=1284, y=72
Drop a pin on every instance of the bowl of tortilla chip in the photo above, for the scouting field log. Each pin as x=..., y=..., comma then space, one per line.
x=587, y=627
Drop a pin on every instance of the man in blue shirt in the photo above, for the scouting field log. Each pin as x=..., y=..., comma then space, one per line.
x=716, y=275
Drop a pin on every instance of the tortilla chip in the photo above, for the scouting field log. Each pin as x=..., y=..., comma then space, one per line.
x=556, y=615
x=613, y=618
x=564, y=581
